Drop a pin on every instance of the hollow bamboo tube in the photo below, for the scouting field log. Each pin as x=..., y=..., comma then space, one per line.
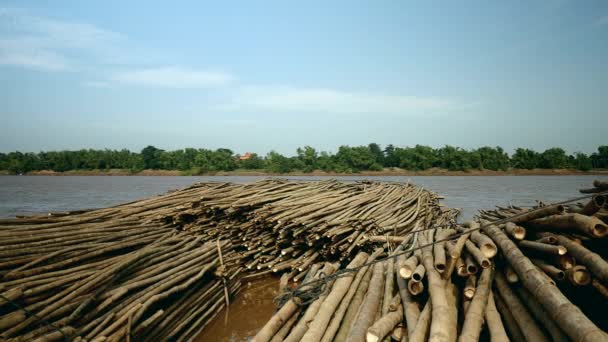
x=510, y=274
x=517, y=232
x=543, y=247
x=418, y=273
x=469, y=286
x=399, y=333
x=476, y=253
x=552, y=271
x=461, y=268
x=384, y=325
x=470, y=264
x=440, y=313
x=578, y=275
x=593, y=261
x=439, y=249
x=538, y=213
x=566, y=315
x=408, y=266
x=410, y=307
x=589, y=225
x=473, y=320
x=415, y=287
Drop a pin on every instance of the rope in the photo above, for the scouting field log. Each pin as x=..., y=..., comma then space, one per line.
x=40, y=319
x=313, y=289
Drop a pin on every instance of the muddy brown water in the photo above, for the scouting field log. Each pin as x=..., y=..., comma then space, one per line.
x=248, y=312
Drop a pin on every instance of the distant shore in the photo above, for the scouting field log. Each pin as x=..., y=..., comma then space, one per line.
x=386, y=172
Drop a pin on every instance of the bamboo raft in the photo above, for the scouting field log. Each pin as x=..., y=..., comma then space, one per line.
x=162, y=268
x=539, y=274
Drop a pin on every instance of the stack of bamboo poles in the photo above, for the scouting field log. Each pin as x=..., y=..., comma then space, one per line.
x=161, y=268
x=539, y=276
x=288, y=226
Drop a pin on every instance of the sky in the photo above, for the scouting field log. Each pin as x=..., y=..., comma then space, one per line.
x=275, y=75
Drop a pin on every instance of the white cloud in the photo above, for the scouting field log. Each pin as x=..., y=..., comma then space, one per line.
x=173, y=77
x=48, y=44
x=319, y=100
x=22, y=53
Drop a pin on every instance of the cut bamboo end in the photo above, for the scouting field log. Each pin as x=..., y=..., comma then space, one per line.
x=510, y=275
x=485, y=263
x=566, y=261
x=415, y=287
x=398, y=332
x=471, y=269
x=489, y=250
x=515, y=231
x=469, y=293
x=579, y=276
x=405, y=272
x=440, y=267
x=370, y=337
x=418, y=273
x=600, y=230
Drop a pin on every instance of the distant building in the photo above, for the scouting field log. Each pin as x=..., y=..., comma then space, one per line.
x=245, y=156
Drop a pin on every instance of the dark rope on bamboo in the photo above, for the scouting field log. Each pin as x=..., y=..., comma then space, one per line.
x=315, y=288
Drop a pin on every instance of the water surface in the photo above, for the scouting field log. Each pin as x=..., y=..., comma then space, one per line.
x=40, y=194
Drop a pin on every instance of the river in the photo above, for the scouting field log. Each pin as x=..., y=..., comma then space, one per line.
x=40, y=194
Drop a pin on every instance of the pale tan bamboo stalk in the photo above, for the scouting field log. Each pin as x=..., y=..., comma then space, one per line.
x=539, y=313
x=341, y=285
x=515, y=333
x=474, y=317
x=369, y=306
x=495, y=326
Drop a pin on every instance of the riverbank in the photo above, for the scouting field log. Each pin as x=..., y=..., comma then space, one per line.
x=385, y=172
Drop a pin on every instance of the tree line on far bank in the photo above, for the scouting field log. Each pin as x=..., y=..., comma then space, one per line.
x=348, y=159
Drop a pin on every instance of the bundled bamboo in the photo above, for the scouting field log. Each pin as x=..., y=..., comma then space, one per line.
x=516, y=280
x=162, y=268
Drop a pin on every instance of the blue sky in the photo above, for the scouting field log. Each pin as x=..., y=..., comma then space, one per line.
x=261, y=76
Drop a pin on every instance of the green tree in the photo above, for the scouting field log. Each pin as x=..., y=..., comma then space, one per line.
x=390, y=157
x=377, y=153
x=524, y=158
x=151, y=157
x=355, y=159
x=277, y=163
x=599, y=159
x=582, y=162
x=307, y=157
x=493, y=158
x=554, y=158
